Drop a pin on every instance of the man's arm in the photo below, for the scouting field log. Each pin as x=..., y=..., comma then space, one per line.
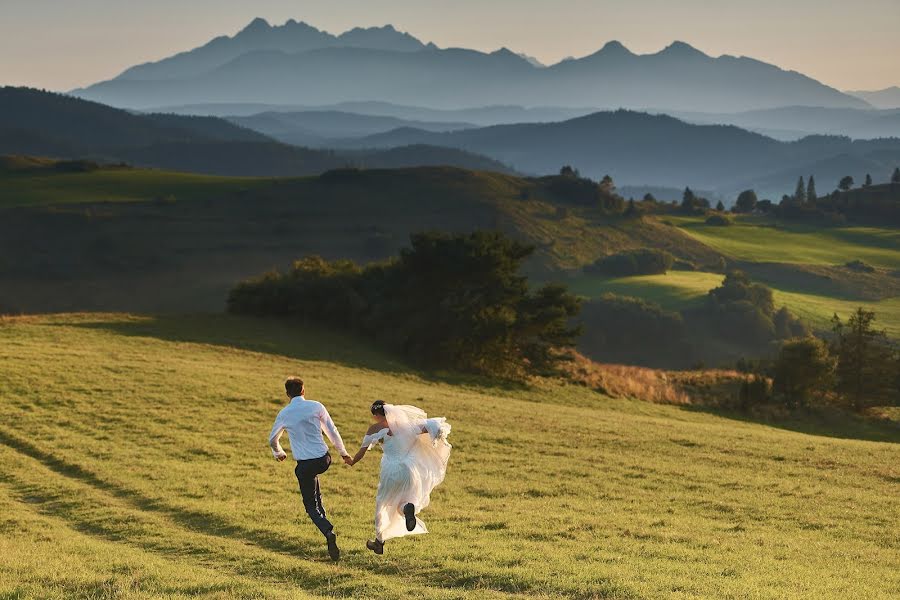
x=332, y=433
x=275, y=439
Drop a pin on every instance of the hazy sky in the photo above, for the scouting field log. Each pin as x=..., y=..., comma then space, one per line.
x=61, y=44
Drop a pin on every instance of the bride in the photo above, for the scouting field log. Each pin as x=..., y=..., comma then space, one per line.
x=415, y=458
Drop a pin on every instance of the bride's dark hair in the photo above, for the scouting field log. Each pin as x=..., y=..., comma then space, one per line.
x=378, y=408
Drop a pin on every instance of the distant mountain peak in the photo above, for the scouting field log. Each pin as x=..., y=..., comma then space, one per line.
x=614, y=47
x=681, y=49
x=257, y=24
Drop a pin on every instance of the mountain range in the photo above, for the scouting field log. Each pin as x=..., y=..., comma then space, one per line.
x=296, y=63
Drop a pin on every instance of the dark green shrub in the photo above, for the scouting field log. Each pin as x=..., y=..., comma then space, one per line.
x=719, y=220
x=646, y=261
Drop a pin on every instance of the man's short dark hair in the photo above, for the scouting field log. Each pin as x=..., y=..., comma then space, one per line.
x=293, y=386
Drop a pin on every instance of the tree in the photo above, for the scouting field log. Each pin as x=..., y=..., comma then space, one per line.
x=865, y=367
x=895, y=178
x=811, y=195
x=607, y=185
x=688, y=198
x=746, y=201
x=568, y=171
x=803, y=369
x=868, y=180
x=800, y=191
x=720, y=207
x=845, y=183
x=648, y=197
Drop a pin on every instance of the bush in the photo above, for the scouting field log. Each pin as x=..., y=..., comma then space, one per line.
x=804, y=369
x=719, y=220
x=860, y=266
x=645, y=261
x=449, y=301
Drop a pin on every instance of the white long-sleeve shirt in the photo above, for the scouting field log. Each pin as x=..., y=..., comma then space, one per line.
x=305, y=420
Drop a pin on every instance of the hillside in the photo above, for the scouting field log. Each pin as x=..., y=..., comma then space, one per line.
x=88, y=234
x=296, y=63
x=34, y=122
x=659, y=150
x=156, y=480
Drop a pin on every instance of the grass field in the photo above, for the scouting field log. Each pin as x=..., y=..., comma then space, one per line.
x=677, y=290
x=133, y=464
x=758, y=240
x=116, y=185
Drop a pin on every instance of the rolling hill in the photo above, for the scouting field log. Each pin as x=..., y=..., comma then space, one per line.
x=316, y=128
x=133, y=464
x=35, y=122
x=120, y=238
x=659, y=150
x=297, y=64
x=886, y=98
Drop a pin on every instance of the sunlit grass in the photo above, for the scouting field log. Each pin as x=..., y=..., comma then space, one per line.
x=133, y=464
x=677, y=290
x=759, y=240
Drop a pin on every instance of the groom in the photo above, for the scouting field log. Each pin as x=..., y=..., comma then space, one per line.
x=305, y=420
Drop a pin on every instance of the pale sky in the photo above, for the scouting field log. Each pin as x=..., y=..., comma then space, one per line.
x=62, y=44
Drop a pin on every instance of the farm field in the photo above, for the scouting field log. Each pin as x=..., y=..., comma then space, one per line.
x=133, y=464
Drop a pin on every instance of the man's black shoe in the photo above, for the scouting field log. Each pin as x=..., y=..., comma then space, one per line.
x=410, y=512
x=333, y=551
x=377, y=547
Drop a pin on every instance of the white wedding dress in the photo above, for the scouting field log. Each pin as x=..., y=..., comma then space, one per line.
x=415, y=458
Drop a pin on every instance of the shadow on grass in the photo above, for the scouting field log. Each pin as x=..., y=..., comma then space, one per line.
x=833, y=423
x=289, y=338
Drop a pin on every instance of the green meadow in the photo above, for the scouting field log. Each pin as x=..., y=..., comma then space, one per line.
x=677, y=290
x=762, y=240
x=133, y=464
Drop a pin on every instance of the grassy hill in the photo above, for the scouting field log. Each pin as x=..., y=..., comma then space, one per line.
x=130, y=239
x=133, y=464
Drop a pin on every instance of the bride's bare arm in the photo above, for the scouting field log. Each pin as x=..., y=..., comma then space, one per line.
x=359, y=456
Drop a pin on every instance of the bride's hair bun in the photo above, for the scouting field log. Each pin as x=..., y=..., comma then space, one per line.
x=378, y=407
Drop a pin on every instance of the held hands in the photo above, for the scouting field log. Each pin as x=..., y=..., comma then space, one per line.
x=281, y=457
x=348, y=460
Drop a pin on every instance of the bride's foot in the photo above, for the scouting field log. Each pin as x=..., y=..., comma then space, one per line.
x=376, y=546
x=409, y=511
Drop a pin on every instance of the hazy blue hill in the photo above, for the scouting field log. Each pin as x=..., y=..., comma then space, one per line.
x=42, y=123
x=659, y=150
x=790, y=123
x=886, y=98
x=317, y=128
x=298, y=64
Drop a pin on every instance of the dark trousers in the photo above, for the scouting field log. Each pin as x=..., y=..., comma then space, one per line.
x=308, y=472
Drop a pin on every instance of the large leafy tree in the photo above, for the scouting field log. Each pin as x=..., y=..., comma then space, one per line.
x=866, y=368
x=804, y=368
